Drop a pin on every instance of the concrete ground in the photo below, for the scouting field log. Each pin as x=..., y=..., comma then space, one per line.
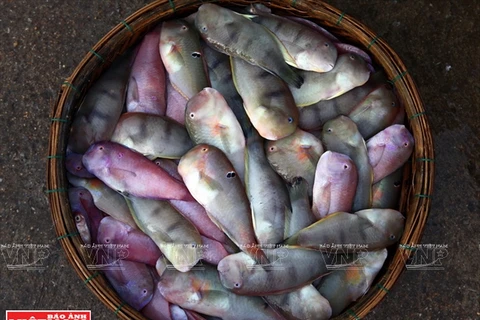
x=43, y=41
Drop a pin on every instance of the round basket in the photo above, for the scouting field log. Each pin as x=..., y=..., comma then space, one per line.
x=417, y=183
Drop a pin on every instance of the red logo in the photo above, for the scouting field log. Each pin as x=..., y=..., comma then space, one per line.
x=48, y=315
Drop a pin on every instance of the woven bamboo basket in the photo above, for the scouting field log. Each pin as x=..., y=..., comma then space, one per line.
x=417, y=184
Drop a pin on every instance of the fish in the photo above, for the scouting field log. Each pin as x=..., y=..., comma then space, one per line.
x=158, y=308
x=313, y=26
x=146, y=87
x=270, y=107
x=295, y=156
x=209, y=119
x=376, y=112
x=213, y=182
x=310, y=50
x=220, y=73
x=371, y=228
x=314, y=116
x=266, y=191
x=288, y=268
x=132, y=281
x=301, y=215
x=152, y=135
x=176, y=104
x=193, y=211
x=74, y=165
x=237, y=36
x=350, y=71
x=341, y=135
x=389, y=149
x=105, y=199
x=386, y=192
x=200, y=290
x=335, y=184
x=305, y=303
x=176, y=237
x=183, y=57
x=99, y=111
x=212, y=251
x=130, y=173
x=80, y=208
x=342, y=287
x=140, y=247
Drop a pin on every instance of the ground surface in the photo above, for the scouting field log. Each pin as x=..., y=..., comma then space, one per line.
x=43, y=41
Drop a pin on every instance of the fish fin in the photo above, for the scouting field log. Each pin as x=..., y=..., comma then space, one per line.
x=249, y=16
x=375, y=154
x=121, y=174
x=286, y=55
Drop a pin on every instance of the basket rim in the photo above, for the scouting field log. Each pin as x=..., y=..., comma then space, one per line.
x=416, y=193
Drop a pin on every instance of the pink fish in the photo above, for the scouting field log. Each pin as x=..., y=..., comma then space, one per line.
x=335, y=184
x=129, y=172
x=213, y=251
x=132, y=281
x=140, y=247
x=388, y=150
x=158, y=308
x=146, y=87
x=176, y=104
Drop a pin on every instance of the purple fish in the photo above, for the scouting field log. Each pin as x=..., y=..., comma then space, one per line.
x=74, y=165
x=87, y=215
x=141, y=247
x=129, y=172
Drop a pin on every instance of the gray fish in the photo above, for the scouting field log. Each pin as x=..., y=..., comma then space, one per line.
x=235, y=35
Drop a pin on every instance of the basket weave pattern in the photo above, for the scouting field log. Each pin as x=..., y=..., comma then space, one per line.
x=417, y=183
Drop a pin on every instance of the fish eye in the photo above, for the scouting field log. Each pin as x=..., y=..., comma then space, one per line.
x=204, y=29
x=120, y=155
x=100, y=148
x=345, y=166
x=392, y=237
x=78, y=168
x=237, y=285
x=393, y=104
x=107, y=240
x=196, y=54
x=352, y=57
x=231, y=174
x=405, y=144
x=327, y=45
x=184, y=27
x=192, y=115
x=272, y=148
x=329, y=130
x=78, y=218
x=204, y=149
x=396, y=184
x=290, y=120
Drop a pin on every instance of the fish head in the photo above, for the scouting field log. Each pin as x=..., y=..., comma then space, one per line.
x=400, y=137
x=82, y=227
x=337, y=163
x=388, y=222
x=280, y=123
x=112, y=231
x=199, y=108
x=341, y=128
x=232, y=271
x=323, y=57
x=98, y=156
x=352, y=70
x=209, y=17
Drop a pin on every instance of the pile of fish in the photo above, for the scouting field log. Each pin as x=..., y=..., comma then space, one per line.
x=239, y=165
